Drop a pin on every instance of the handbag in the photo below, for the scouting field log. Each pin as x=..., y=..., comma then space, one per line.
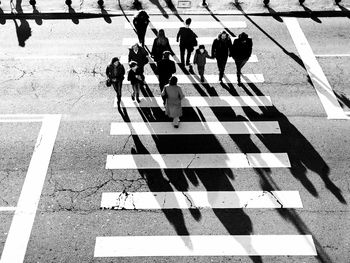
x=108, y=82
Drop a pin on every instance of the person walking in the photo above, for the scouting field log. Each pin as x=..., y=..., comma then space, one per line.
x=115, y=72
x=139, y=55
x=166, y=68
x=136, y=79
x=200, y=58
x=173, y=95
x=160, y=44
x=220, y=50
x=241, y=51
x=188, y=40
x=140, y=22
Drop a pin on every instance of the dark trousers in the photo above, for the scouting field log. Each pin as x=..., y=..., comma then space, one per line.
x=221, y=62
x=141, y=33
x=182, y=55
x=240, y=62
x=117, y=85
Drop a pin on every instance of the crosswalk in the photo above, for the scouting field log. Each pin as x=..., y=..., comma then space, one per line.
x=200, y=245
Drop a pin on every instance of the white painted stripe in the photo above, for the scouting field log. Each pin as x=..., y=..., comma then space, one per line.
x=201, y=199
x=7, y=208
x=332, y=55
x=318, y=78
x=184, y=161
x=17, y=57
x=21, y=117
x=193, y=79
x=253, y=59
x=23, y=219
x=172, y=41
x=199, y=101
x=205, y=245
x=194, y=24
x=164, y=128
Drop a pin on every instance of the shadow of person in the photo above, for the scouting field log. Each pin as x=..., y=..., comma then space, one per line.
x=2, y=19
x=38, y=19
x=344, y=101
x=173, y=9
x=23, y=31
x=73, y=14
x=274, y=14
x=160, y=7
x=217, y=19
x=345, y=10
x=311, y=14
x=303, y=156
x=105, y=14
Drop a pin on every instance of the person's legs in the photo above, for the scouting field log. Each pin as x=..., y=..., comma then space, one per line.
x=119, y=84
x=137, y=91
x=238, y=63
x=182, y=55
x=201, y=72
x=176, y=121
x=188, y=57
x=221, y=68
x=133, y=91
x=141, y=33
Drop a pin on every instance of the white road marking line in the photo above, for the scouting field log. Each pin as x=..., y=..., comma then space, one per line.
x=21, y=117
x=318, y=78
x=205, y=245
x=23, y=219
x=194, y=79
x=172, y=41
x=201, y=199
x=21, y=57
x=164, y=128
x=194, y=24
x=7, y=208
x=199, y=101
x=253, y=59
x=332, y=55
x=184, y=161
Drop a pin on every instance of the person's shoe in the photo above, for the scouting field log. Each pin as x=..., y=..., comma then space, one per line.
x=202, y=79
x=138, y=100
x=133, y=97
x=220, y=79
x=176, y=126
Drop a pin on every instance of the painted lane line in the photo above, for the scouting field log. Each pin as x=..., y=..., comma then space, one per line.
x=194, y=24
x=7, y=208
x=199, y=101
x=318, y=78
x=253, y=59
x=332, y=55
x=23, y=219
x=21, y=117
x=184, y=161
x=205, y=245
x=172, y=41
x=201, y=199
x=25, y=57
x=194, y=79
x=163, y=128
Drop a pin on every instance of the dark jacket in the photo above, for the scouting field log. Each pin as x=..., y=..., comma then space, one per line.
x=188, y=38
x=166, y=68
x=141, y=20
x=140, y=57
x=115, y=72
x=221, y=48
x=242, y=49
x=133, y=76
x=158, y=49
x=200, y=58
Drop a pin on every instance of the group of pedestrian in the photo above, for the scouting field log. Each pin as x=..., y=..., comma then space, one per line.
x=222, y=48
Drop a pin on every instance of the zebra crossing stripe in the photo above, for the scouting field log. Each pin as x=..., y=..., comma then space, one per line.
x=184, y=161
x=201, y=199
x=212, y=79
x=194, y=24
x=253, y=59
x=205, y=245
x=199, y=101
x=172, y=41
x=214, y=127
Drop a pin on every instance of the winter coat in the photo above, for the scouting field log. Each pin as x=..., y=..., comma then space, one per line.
x=166, y=68
x=188, y=38
x=242, y=49
x=173, y=95
x=221, y=48
x=200, y=58
x=135, y=77
x=158, y=49
x=140, y=57
x=115, y=72
x=141, y=20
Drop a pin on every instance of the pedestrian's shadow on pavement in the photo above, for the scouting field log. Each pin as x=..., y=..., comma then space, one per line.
x=2, y=19
x=105, y=15
x=274, y=14
x=217, y=19
x=160, y=7
x=311, y=14
x=345, y=10
x=38, y=19
x=344, y=101
x=173, y=9
x=72, y=12
x=23, y=30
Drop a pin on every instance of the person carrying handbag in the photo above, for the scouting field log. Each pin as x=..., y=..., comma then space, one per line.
x=115, y=72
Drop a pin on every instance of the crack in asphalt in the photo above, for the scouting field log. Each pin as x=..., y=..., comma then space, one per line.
x=189, y=200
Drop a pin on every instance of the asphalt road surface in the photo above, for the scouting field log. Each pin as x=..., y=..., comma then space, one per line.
x=59, y=156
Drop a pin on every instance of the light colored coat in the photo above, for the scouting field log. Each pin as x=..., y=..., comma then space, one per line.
x=174, y=95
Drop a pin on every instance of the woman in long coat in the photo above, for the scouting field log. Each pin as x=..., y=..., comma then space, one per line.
x=221, y=50
x=160, y=44
x=173, y=95
x=141, y=21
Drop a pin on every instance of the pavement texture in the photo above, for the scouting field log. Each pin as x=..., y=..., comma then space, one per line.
x=166, y=7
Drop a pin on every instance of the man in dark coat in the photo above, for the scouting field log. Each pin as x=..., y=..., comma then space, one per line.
x=140, y=22
x=139, y=55
x=188, y=40
x=241, y=51
x=166, y=68
x=221, y=50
